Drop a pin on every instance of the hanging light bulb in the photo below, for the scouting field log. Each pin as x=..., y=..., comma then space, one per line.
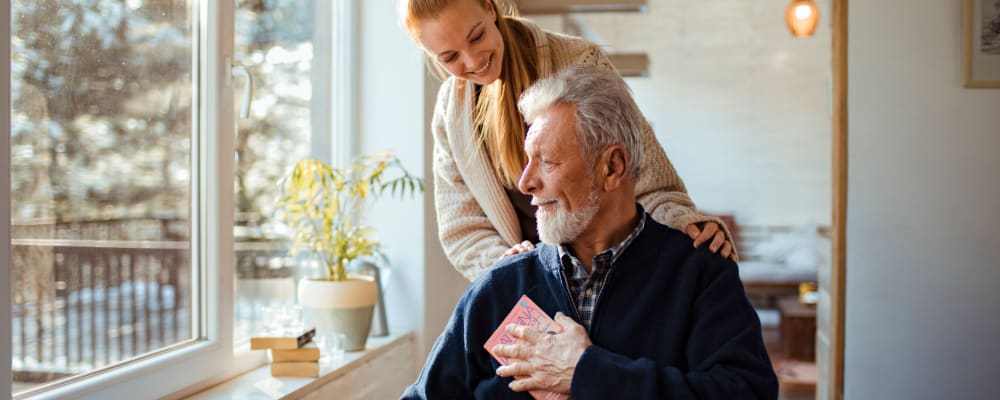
x=802, y=16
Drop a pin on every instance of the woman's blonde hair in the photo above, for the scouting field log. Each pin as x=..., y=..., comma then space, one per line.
x=501, y=127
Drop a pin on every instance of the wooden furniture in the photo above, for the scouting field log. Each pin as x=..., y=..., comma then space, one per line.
x=765, y=275
x=766, y=293
x=798, y=328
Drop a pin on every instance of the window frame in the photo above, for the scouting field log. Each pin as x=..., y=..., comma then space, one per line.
x=168, y=370
x=343, y=87
x=5, y=262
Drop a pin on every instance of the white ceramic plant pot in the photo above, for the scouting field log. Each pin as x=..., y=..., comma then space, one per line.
x=340, y=306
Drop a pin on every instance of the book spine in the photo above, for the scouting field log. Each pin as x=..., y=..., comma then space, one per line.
x=306, y=337
x=303, y=354
x=295, y=369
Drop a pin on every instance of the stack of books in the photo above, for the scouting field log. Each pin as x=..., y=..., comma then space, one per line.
x=290, y=355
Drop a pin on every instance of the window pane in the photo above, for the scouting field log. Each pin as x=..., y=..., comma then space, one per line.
x=101, y=175
x=274, y=39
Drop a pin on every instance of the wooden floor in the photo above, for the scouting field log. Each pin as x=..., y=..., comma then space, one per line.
x=789, y=390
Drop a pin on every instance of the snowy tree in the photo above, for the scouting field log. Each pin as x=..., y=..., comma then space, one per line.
x=102, y=93
x=273, y=37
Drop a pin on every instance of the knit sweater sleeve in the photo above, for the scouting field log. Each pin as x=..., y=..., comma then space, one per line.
x=468, y=237
x=659, y=189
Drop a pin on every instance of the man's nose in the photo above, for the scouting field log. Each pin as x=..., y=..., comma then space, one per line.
x=527, y=183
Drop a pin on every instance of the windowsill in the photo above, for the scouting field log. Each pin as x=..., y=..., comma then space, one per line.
x=259, y=384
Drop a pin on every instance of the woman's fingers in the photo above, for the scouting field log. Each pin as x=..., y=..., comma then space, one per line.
x=707, y=232
x=519, y=248
x=727, y=249
x=693, y=231
x=717, y=242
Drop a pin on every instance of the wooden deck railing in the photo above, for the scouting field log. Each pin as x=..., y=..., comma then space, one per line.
x=81, y=304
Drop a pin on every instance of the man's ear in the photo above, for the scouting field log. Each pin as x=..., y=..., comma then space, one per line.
x=613, y=167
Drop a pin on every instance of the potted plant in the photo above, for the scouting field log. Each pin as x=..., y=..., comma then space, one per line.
x=323, y=207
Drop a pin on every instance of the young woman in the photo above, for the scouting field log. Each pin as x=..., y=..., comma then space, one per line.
x=479, y=133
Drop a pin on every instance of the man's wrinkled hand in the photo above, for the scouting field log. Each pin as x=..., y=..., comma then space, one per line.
x=544, y=360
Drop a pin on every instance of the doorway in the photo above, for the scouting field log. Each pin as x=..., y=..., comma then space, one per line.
x=754, y=121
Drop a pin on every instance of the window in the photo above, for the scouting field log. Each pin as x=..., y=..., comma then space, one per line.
x=121, y=136
x=116, y=261
x=297, y=51
x=276, y=40
x=101, y=184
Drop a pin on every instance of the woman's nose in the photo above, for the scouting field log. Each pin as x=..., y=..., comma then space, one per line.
x=469, y=61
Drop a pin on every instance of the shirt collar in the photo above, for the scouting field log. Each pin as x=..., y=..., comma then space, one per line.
x=616, y=251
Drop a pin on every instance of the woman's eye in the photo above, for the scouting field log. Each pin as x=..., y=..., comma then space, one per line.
x=449, y=59
x=478, y=37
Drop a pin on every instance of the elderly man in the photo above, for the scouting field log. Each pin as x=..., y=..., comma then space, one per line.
x=643, y=313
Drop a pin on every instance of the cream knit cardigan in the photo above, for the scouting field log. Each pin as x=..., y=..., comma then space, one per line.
x=476, y=221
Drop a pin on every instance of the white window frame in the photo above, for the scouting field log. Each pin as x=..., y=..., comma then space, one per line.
x=5, y=267
x=343, y=87
x=333, y=106
x=169, y=370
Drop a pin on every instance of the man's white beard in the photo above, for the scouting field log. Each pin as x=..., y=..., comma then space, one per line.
x=563, y=226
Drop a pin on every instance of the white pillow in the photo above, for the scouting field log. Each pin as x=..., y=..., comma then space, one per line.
x=801, y=248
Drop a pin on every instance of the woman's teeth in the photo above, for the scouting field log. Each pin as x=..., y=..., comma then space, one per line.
x=485, y=67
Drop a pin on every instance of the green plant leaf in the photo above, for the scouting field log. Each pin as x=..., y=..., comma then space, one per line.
x=323, y=204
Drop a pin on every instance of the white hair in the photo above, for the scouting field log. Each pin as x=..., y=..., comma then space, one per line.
x=606, y=114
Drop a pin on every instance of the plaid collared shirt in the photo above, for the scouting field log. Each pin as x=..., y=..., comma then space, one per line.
x=585, y=288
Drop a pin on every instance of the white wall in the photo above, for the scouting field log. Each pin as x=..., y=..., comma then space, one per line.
x=390, y=96
x=741, y=106
x=923, y=248
x=394, y=113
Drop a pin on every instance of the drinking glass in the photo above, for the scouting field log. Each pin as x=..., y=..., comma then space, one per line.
x=331, y=346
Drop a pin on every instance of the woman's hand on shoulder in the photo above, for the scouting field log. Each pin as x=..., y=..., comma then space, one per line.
x=522, y=247
x=702, y=232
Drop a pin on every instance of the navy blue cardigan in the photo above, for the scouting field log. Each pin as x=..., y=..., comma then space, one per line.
x=672, y=322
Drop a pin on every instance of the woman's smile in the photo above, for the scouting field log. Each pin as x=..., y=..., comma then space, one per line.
x=489, y=62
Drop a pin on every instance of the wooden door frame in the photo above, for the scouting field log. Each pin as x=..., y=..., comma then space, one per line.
x=835, y=362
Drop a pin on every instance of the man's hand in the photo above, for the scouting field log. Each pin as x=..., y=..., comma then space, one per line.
x=519, y=248
x=710, y=230
x=544, y=361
